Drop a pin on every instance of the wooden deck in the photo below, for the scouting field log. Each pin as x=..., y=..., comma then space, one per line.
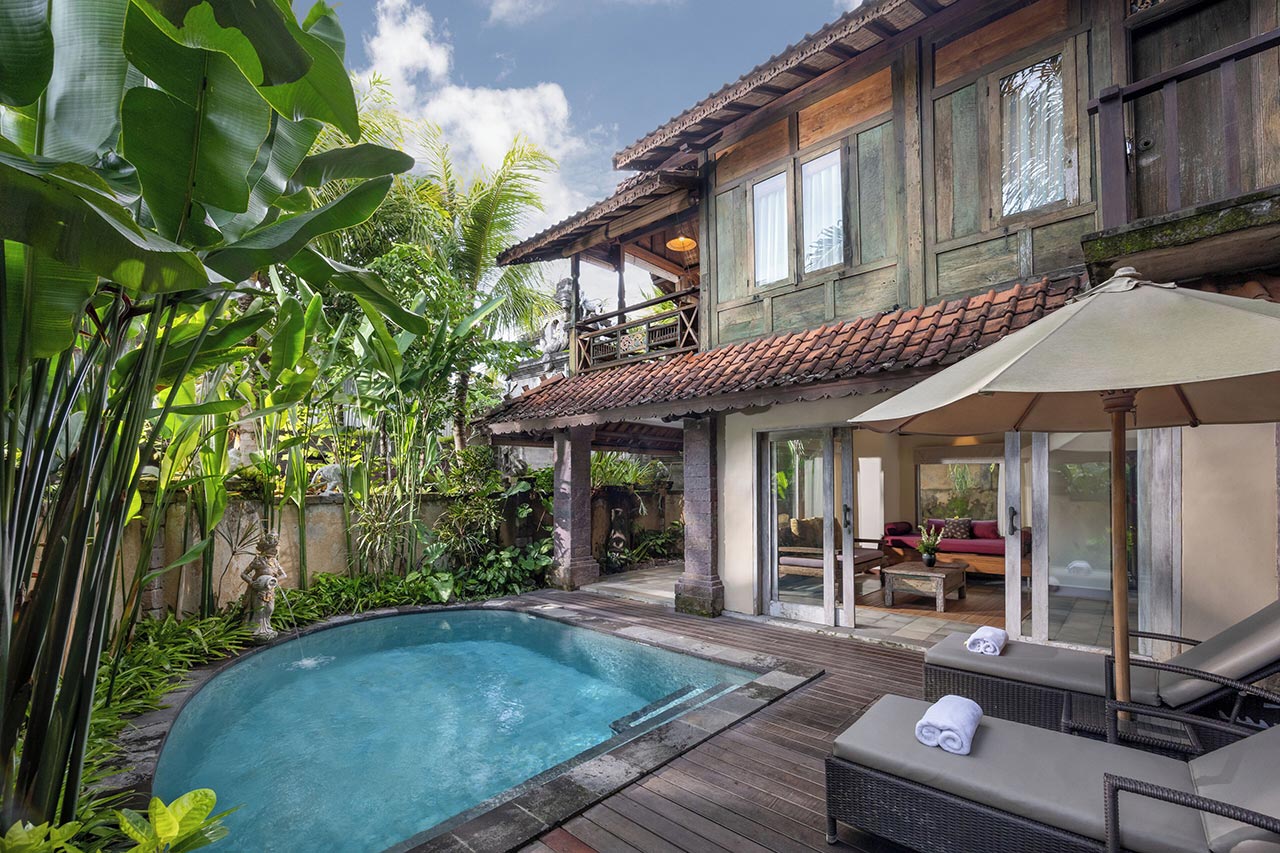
x=759, y=785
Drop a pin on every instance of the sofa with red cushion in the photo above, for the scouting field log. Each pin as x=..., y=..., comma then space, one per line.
x=984, y=551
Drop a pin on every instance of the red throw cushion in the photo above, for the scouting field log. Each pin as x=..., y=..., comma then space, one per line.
x=971, y=546
x=897, y=528
x=902, y=541
x=986, y=530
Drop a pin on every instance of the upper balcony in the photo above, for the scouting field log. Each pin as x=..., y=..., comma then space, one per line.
x=1190, y=167
x=651, y=223
x=666, y=325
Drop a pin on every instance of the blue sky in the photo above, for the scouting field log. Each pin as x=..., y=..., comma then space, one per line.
x=581, y=78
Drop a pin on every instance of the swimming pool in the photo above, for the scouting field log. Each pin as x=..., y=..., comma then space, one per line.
x=360, y=736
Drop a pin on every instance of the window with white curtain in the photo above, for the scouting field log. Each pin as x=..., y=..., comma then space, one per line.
x=1033, y=161
x=769, y=199
x=823, y=209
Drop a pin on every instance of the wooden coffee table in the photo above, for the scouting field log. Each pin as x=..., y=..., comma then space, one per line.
x=919, y=579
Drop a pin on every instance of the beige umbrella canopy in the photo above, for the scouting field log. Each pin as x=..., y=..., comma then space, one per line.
x=1126, y=354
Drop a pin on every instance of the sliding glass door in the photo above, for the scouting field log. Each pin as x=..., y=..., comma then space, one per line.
x=806, y=494
x=1066, y=500
x=798, y=517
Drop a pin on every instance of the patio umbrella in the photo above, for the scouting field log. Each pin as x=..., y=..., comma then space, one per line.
x=1127, y=354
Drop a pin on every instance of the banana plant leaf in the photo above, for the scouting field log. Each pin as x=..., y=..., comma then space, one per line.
x=80, y=108
x=365, y=160
x=278, y=158
x=69, y=213
x=255, y=36
x=26, y=51
x=195, y=139
x=319, y=271
x=284, y=238
x=325, y=91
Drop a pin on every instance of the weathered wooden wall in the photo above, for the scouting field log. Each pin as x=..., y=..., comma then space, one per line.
x=919, y=125
x=1180, y=37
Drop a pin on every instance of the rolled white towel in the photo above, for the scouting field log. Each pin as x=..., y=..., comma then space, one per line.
x=950, y=723
x=987, y=640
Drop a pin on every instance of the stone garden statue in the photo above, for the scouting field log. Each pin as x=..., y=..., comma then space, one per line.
x=263, y=575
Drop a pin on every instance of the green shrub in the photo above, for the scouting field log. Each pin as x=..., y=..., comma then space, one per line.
x=186, y=824
x=475, y=496
x=665, y=544
x=330, y=595
x=510, y=571
x=25, y=838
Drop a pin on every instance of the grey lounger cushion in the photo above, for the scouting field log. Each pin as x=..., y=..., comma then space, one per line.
x=1246, y=774
x=1046, y=776
x=1048, y=666
x=1245, y=647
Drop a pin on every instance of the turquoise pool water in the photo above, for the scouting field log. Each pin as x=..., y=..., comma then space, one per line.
x=358, y=737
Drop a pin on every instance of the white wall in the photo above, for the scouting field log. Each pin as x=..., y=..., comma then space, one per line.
x=1229, y=480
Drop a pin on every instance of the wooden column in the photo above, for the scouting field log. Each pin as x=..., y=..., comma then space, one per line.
x=848, y=603
x=575, y=311
x=699, y=590
x=622, y=285
x=1113, y=166
x=1012, y=521
x=574, y=564
x=1118, y=404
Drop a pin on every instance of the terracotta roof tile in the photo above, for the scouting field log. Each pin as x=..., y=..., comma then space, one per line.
x=926, y=336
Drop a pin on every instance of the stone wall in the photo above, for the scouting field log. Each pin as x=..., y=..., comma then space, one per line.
x=326, y=539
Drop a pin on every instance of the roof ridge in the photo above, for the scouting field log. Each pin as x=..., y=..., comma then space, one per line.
x=779, y=63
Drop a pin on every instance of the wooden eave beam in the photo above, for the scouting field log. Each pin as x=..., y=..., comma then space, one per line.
x=844, y=54
x=771, y=90
x=630, y=222
x=645, y=259
x=882, y=28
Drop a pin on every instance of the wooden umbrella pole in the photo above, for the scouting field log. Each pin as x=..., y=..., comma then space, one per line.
x=1118, y=404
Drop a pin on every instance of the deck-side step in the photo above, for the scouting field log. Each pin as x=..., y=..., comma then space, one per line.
x=623, y=723
x=670, y=706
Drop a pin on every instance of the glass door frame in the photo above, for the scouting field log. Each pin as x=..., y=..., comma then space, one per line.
x=1159, y=542
x=830, y=612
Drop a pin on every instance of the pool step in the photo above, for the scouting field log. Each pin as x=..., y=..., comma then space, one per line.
x=670, y=706
x=621, y=724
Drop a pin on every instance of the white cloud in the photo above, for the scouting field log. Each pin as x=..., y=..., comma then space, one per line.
x=515, y=11
x=481, y=122
x=406, y=48
x=519, y=11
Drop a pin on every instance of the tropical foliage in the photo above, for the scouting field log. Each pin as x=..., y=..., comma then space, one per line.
x=165, y=187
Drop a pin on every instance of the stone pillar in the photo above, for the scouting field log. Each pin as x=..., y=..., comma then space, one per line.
x=574, y=565
x=699, y=590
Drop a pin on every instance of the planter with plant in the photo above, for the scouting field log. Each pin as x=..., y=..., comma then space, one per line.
x=929, y=539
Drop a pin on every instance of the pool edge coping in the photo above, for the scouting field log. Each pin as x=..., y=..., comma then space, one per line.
x=511, y=821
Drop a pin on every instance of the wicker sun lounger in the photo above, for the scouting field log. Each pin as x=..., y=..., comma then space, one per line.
x=1067, y=690
x=1023, y=789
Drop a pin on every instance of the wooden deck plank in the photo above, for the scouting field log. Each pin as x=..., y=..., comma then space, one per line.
x=758, y=785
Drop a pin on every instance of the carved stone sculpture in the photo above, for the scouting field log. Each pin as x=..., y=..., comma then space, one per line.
x=263, y=575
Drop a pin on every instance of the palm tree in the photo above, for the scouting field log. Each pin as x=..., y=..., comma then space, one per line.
x=474, y=223
x=457, y=227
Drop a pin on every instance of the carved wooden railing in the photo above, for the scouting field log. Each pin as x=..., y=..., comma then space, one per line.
x=605, y=340
x=1117, y=149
